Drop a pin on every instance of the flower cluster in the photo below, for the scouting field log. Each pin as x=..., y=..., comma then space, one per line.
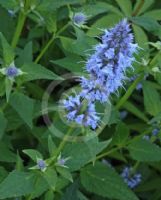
x=79, y=19
x=11, y=71
x=106, y=73
x=131, y=180
x=41, y=164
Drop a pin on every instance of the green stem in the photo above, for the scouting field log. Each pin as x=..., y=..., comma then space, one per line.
x=129, y=92
x=61, y=146
x=19, y=27
x=63, y=142
x=107, y=153
x=46, y=47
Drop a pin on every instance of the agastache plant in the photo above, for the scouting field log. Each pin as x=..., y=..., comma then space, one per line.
x=106, y=73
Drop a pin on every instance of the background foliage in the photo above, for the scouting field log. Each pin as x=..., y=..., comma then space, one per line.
x=40, y=37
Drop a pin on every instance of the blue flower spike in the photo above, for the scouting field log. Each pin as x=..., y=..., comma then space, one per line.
x=106, y=70
x=131, y=179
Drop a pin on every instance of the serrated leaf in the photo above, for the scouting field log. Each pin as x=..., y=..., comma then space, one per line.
x=71, y=192
x=143, y=150
x=51, y=145
x=36, y=71
x=8, y=88
x=6, y=155
x=24, y=106
x=8, y=53
x=121, y=134
x=154, y=14
x=16, y=184
x=146, y=4
x=82, y=152
x=3, y=124
x=50, y=176
x=103, y=23
x=73, y=63
x=126, y=6
x=51, y=22
x=65, y=173
x=40, y=186
x=135, y=110
x=9, y=4
x=25, y=55
x=33, y=154
x=104, y=181
x=148, y=24
x=78, y=46
x=152, y=101
x=49, y=195
x=140, y=37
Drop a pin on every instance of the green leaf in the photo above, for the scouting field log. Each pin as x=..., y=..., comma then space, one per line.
x=65, y=173
x=154, y=14
x=73, y=63
x=39, y=187
x=141, y=38
x=25, y=55
x=24, y=106
x=5, y=154
x=8, y=28
x=9, y=4
x=50, y=176
x=102, y=23
x=152, y=101
x=148, y=24
x=8, y=88
x=50, y=20
x=36, y=71
x=126, y=6
x=3, y=173
x=49, y=195
x=145, y=6
x=121, y=134
x=3, y=124
x=33, y=154
x=16, y=184
x=104, y=181
x=52, y=5
x=51, y=145
x=80, y=45
x=131, y=107
x=8, y=53
x=71, y=192
x=143, y=150
x=82, y=152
